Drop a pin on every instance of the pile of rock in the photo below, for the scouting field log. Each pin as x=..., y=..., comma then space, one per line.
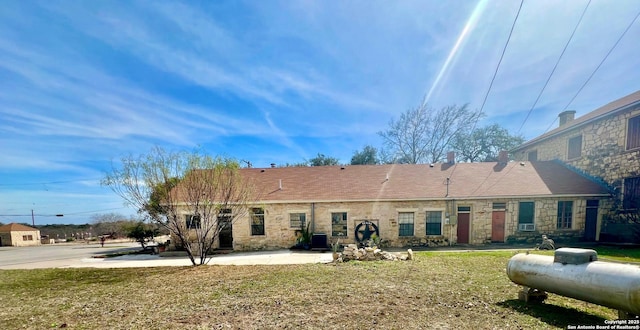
x=352, y=252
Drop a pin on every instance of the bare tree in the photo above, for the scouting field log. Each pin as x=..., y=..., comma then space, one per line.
x=423, y=134
x=193, y=196
x=111, y=224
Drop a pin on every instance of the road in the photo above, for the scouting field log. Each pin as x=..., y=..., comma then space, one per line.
x=78, y=255
x=55, y=255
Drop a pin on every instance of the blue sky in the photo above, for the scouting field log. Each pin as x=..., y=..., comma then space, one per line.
x=83, y=83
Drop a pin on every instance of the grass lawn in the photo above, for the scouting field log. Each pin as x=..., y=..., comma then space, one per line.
x=468, y=290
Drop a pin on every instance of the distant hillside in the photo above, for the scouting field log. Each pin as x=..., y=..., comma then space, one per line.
x=64, y=231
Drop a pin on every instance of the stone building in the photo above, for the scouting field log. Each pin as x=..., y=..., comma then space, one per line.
x=417, y=205
x=604, y=144
x=15, y=234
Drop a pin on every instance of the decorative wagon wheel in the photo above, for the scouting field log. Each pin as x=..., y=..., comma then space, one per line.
x=364, y=231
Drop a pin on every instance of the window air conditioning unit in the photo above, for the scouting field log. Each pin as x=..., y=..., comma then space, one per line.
x=526, y=227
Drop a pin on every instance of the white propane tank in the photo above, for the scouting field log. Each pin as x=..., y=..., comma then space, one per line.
x=571, y=273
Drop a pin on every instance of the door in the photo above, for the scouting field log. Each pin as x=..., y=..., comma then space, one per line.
x=226, y=234
x=497, y=226
x=463, y=228
x=591, y=220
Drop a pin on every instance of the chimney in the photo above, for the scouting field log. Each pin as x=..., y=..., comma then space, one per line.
x=503, y=157
x=451, y=157
x=566, y=117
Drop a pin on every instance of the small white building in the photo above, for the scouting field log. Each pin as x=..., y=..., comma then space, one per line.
x=15, y=234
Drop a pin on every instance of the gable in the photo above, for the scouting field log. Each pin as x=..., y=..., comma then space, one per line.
x=629, y=102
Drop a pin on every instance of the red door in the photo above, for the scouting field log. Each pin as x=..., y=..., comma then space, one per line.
x=463, y=228
x=497, y=226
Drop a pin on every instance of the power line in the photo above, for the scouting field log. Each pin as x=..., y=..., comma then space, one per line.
x=604, y=59
x=45, y=183
x=28, y=215
x=551, y=125
x=85, y=212
x=495, y=73
x=65, y=214
x=554, y=67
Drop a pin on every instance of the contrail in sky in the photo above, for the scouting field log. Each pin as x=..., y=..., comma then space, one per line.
x=471, y=23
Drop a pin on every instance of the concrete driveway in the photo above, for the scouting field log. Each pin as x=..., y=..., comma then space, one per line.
x=56, y=255
x=280, y=257
x=78, y=256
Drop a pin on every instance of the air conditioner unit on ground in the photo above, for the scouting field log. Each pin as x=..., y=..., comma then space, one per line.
x=526, y=227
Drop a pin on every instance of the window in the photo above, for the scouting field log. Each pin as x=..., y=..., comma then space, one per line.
x=193, y=221
x=434, y=222
x=532, y=156
x=499, y=206
x=575, y=147
x=565, y=214
x=224, y=218
x=297, y=220
x=225, y=213
x=27, y=237
x=257, y=221
x=405, y=220
x=339, y=224
x=633, y=133
x=631, y=198
x=526, y=212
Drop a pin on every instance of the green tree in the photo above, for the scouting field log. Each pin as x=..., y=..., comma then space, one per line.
x=142, y=232
x=322, y=160
x=368, y=156
x=155, y=207
x=166, y=186
x=484, y=144
x=424, y=135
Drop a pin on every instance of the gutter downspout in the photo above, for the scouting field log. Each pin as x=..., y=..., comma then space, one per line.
x=313, y=217
x=449, y=211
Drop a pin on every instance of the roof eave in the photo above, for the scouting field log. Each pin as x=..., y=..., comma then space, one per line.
x=565, y=129
x=423, y=199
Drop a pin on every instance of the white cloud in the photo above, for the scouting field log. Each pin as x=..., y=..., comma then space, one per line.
x=84, y=83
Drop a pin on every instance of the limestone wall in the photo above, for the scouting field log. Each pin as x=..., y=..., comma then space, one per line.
x=17, y=238
x=545, y=219
x=604, y=153
x=279, y=234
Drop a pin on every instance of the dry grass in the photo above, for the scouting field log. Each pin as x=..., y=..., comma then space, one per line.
x=438, y=290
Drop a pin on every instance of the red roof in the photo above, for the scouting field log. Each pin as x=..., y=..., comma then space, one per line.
x=15, y=227
x=608, y=109
x=420, y=182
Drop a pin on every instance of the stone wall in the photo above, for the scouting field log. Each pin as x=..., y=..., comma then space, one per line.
x=279, y=234
x=17, y=238
x=603, y=149
x=604, y=156
x=534, y=238
x=545, y=219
